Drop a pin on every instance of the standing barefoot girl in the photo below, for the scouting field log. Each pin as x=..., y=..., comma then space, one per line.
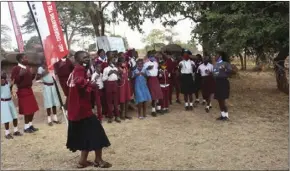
x=142, y=94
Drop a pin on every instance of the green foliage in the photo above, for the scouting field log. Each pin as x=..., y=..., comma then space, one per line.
x=156, y=36
x=32, y=43
x=92, y=47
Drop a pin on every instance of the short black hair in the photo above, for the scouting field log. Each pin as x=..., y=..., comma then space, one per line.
x=199, y=56
x=19, y=56
x=78, y=53
x=100, y=51
x=224, y=55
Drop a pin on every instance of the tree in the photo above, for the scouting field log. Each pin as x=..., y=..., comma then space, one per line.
x=32, y=44
x=170, y=34
x=73, y=18
x=154, y=37
x=5, y=36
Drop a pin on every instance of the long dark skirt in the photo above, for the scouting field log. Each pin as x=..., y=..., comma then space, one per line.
x=86, y=135
x=187, y=84
x=197, y=82
x=222, y=89
x=207, y=86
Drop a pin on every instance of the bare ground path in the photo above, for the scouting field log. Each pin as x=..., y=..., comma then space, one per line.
x=255, y=138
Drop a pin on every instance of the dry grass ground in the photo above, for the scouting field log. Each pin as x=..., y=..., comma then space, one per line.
x=255, y=138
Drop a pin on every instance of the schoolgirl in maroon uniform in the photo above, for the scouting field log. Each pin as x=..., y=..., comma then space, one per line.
x=110, y=78
x=151, y=67
x=85, y=133
x=22, y=76
x=124, y=88
x=169, y=67
x=62, y=70
x=164, y=80
x=103, y=59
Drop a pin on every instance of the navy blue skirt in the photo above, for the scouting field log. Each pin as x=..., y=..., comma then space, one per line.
x=222, y=89
x=187, y=85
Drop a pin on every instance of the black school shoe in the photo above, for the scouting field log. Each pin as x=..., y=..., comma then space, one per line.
x=190, y=107
x=33, y=128
x=221, y=118
x=154, y=114
x=28, y=130
x=17, y=133
x=9, y=136
x=207, y=110
x=186, y=108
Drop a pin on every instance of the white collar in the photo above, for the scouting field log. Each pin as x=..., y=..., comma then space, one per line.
x=103, y=60
x=22, y=66
x=63, y=59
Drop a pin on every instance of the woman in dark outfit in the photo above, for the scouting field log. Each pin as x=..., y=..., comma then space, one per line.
x=85, y=132
x=221, y=71
x=197, y=79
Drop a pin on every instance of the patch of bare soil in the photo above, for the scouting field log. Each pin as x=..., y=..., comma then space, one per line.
x=256, y=137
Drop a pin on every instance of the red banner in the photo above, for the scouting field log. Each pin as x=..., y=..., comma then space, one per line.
x=48, y=24
x=16, y=27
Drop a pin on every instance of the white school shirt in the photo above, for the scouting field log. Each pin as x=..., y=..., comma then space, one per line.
x=97, y=78
x=154, y=71
x=204, y=67
x=112, y=77
x=186, y=66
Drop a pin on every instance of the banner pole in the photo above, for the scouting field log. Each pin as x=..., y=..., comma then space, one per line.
x=56, y=85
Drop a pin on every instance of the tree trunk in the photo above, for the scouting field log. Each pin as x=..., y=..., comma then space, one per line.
x=66, y=37
x=70, y=38
x=279, y=67
x=242, y=61
x=245, y=59
x=94, y=17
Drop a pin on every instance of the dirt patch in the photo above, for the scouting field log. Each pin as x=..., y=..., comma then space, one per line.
x=255, y=138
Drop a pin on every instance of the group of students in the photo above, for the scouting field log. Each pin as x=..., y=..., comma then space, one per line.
x=110, y=83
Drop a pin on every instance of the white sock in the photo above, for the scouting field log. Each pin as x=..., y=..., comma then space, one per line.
x=153, y=109
x=207, y=107
x=7, y=132
x=158, y=107
x=30, y=123
x=15, y=129
x=55, y=118
x=191, y=104
x=48, y=119
x=197, y=100
x=227, y=114
x=204, y=101
x=186, y=104
x=210, y=105
x=223, y=114
x=26, y=126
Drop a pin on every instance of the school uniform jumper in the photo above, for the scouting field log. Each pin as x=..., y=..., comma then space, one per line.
x=141, y=92
x=164, y=81
x=85, y=131
x=111, y=90
x=125, y=92
x=26, y=100
x=49, y=93
x=8, y=110
x=175, y=80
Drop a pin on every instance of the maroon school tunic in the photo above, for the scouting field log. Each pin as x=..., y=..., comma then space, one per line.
x=79, y=99
x=26, y=100
x=164, y=80
x=125, y=87
x=63, y=70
